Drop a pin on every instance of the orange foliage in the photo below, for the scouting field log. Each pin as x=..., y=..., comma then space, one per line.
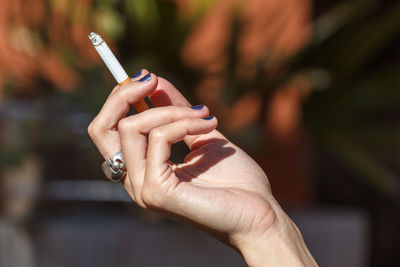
x=269, y=31
x=283, y=113
x=272, y=30
x=245, y=111
x=268, y=28
x=36, y=36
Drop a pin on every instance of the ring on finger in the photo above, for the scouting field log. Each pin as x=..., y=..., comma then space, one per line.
x=114, y=168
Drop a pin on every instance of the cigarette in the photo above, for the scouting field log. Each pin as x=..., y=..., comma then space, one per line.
x=114, y=66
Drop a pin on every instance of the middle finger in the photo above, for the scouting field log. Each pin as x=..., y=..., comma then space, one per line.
x=133, y=132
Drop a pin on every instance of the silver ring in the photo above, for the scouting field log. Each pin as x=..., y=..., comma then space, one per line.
x=114, y=168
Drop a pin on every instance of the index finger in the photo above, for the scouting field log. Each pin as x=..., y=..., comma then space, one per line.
x=118, y=103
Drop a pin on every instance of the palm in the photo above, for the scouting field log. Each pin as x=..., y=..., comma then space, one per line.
x=223, y=184
x=218, y=187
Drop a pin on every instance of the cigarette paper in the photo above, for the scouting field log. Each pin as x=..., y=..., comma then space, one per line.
x=114, y=66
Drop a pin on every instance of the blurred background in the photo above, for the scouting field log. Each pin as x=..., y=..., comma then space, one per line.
x=309, y=88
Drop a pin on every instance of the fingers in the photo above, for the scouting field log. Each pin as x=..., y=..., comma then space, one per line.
x=133, y=132
x=159, y=176
x=165, y=95
x=117, y=105
x=111, y=131
x=103, y=129
x=140, y=74
x=161, y=138
x=144, y=122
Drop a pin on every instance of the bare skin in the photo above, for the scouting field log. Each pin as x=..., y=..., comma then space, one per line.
x=218, y=188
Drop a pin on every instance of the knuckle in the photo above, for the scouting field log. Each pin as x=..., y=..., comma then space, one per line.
x=126, y=125
x=93, y=130
x=167, y=113
x=123, y=91
x=123, y=125
x=157, y=134
x=188, y=121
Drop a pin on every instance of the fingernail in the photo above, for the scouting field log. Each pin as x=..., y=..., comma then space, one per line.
x=208, y=118
x=137, y=74
x=199, y=107
x=145, y=78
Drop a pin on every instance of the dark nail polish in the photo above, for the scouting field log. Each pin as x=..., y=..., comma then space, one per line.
x=137, y=74
x=199, y=107
x=145, y=78
x=208, y=118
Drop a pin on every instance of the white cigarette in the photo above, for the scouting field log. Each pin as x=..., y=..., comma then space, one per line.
x=109, y=59
x=115, y=68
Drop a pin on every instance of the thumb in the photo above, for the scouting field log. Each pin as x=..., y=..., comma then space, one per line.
x=167, y=95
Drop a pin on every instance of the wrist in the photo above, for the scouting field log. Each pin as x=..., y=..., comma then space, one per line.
x=280, y=245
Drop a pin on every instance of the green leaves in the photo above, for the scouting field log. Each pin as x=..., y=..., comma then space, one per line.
x=109, y=21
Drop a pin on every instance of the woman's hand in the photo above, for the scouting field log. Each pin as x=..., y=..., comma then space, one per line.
x=217, y=188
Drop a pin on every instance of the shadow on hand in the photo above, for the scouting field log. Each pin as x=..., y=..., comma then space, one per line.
x=210, y=153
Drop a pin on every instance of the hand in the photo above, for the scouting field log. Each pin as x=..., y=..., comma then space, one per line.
x=217, y=188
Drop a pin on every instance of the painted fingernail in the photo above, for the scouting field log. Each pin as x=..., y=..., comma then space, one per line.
x=199, y=107
x=137, y=74
x=145, y=78
x=208, y=118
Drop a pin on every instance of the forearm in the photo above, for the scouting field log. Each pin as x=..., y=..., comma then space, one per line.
x=281, y=245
